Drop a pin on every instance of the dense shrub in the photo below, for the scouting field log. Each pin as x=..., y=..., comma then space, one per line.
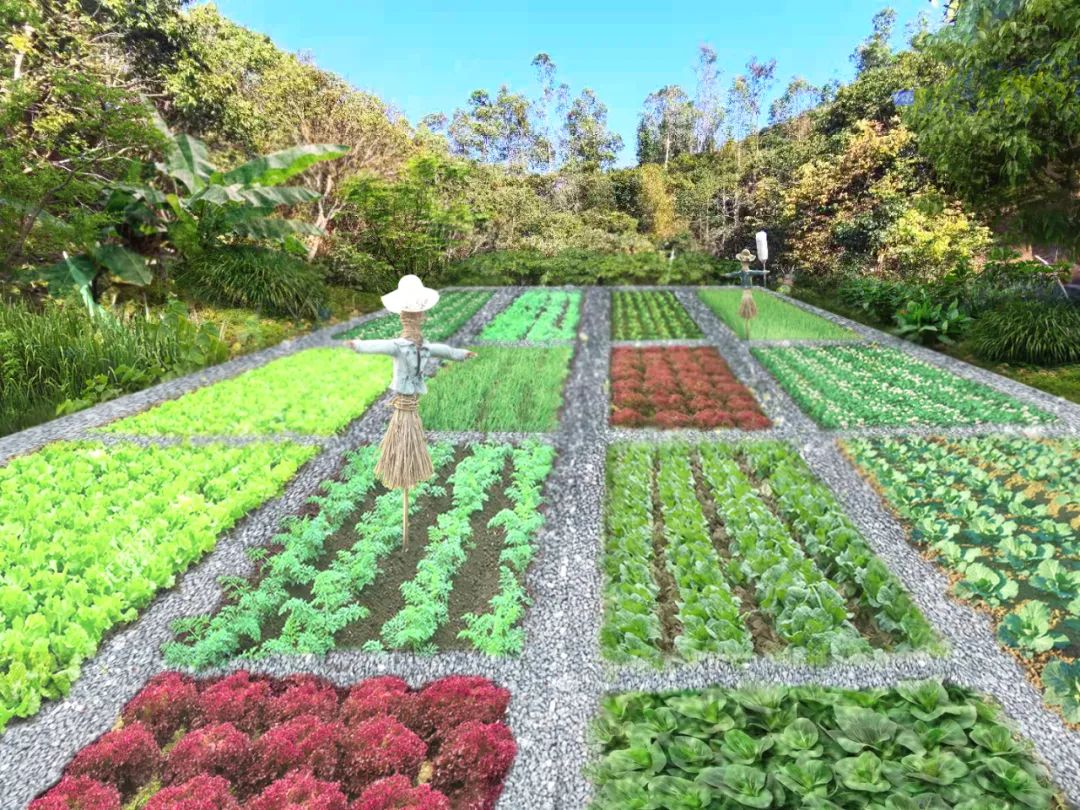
x=126, y=758
x=378, y=748
x=218, y=750
x=474, y=754
x=449, y=702
x=376, y=696
x=203, y=792
x=586, y=267
x=299, y=790
x=79, y=793
x=304, y=694
x=237, y=699
x=164, y=706
x=305, y=741
x=1040, y=332
x=269, y=281
x=397, y=793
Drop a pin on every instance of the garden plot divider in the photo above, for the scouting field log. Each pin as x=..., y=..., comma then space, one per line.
x=558, y=681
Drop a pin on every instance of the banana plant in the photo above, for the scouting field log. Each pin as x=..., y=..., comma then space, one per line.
x=189, y=206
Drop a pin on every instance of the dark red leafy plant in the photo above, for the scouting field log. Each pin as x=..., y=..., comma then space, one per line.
x=300, y=790
x=78, y=793
x=164, y=706
x=375, y=696
x=219, y=750
x=444, y=704
x=203, y=792
x=474, y=759
x=679, y=387
x=126, y=759
x=397, y=793
x=376, y=748
x=305, y=741
x=238, y=699
x=303, y=694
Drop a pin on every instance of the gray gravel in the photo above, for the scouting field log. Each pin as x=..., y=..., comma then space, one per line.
x=560, y=678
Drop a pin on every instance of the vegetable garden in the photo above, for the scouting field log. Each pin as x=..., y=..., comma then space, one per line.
x=646, y=574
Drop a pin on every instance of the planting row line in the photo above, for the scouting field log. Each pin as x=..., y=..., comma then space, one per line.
x=341, y=578
x=1007, y=533
x=650, y=315
x=537, y=315
x=734, y=550
x=440, y=323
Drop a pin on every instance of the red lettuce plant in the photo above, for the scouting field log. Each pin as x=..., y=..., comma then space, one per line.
x=78, y=793
x=218, y=750
x=375, y=696
x=474, y=754
x=299, y=790
x=448, y=702
x=376, y=748
x=303, y=694
x=397, y=793
x=164, y=706
x=305, y=741
x=203, y=792
x=236, y=699
x=127, y=758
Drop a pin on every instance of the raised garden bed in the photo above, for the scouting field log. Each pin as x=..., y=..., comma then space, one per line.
x=317, y=391
x=501, y=389
x=776, y=318
x=737, y=550
x=650, y=315
x=1001, y=515
x=920, y=745
x=338, y=577
x=92, y=532
x=448, y=316
x=299, y=742
x=857, y=386
x=537, y=316
x=679, y=387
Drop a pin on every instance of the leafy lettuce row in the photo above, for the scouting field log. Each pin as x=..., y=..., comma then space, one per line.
x=708, y=610
x=90, y=533
x=920, y=745
x=650, y=315
x=820, y=525
x=427, y=595
x=498, y=631
x=449, y=315
x=537, y=315
x=214, y=640
x=807, y=610
x=631, y=628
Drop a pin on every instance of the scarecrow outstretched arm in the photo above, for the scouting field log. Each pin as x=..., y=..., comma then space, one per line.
x=373, y=346
x=445, y=352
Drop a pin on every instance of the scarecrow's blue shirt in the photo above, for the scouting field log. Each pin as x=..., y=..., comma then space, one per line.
x=409, y=360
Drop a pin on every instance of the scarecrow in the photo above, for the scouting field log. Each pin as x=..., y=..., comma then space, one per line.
x=747, y=307
x=404, y=460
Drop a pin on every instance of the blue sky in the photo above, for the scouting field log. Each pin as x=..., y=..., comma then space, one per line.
x=426, y=57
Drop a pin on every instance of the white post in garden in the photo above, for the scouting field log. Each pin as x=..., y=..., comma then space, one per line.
x=763, y=254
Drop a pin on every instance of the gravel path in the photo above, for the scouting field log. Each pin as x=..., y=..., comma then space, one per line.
x=560, y=677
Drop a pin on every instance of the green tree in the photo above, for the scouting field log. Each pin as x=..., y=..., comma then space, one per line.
x=666, y=129
x=590, y=145
x=499, y=130
x=1003, y=125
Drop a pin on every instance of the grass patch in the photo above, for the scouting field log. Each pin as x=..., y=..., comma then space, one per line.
x=316, y=392
x=776, y=319
x=502, y=389
x=448, y=316
x=89, y=534
x=860, y=385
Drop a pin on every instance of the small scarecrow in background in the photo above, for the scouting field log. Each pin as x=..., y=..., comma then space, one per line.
x=404, y=460
x=747, y=307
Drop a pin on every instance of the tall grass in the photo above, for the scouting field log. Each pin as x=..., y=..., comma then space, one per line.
x=502, y=389
x=54, y=355
x=776, y=319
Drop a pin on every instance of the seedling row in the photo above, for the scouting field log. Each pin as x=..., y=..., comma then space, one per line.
x=443, y=321
x=735, y=551
x=650, y=315
x=1002, y=516
x=341, y=577
x=537, y=316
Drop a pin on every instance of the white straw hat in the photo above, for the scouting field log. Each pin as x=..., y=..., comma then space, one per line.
x=410, y=296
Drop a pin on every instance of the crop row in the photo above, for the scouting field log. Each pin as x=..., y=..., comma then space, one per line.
x=776, y=319
x=1008, y=532
x=443, y=321
x=340, y=577
x=722, y=533
x=537, y=315
x=300, y=742
x=89, y=533
x=316, y=392
x=857, y=386
x=679, y=387
x=920, y=745
x=650, y=315
x=501, y=389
